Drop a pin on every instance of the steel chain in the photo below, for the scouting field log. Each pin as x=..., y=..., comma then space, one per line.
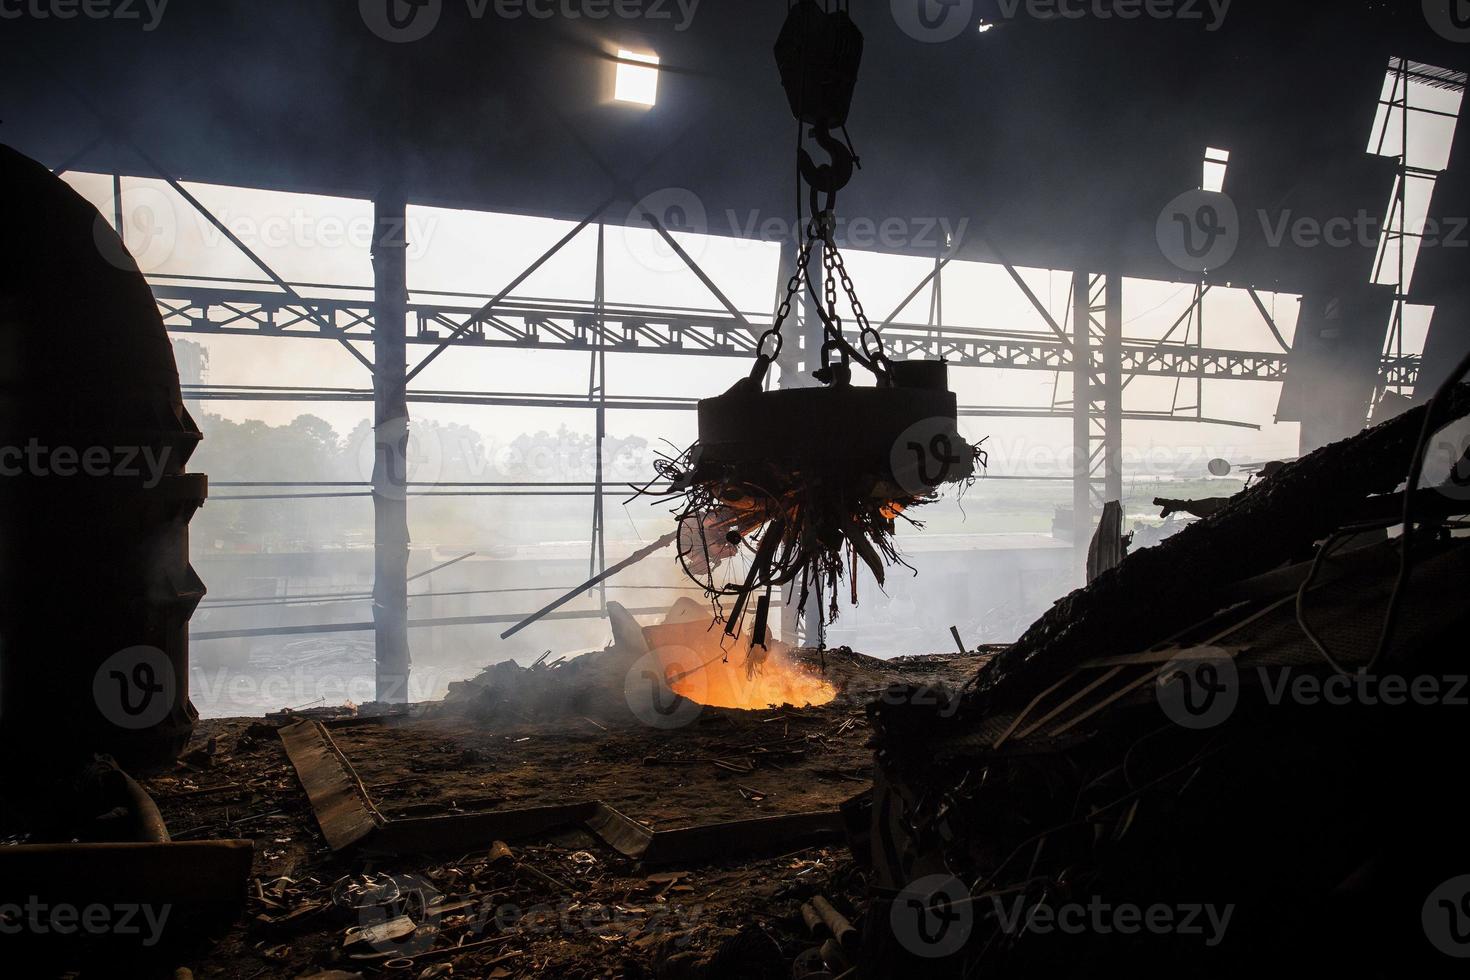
x=792, y=289
x=866, y=333
x=868, y=337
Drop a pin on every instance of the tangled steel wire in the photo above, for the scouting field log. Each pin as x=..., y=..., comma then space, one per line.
x=809, y=527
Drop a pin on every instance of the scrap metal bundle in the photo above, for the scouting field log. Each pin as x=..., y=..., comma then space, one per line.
x=809, y=485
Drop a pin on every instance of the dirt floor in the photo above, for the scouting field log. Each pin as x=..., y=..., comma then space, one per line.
x=565, y=906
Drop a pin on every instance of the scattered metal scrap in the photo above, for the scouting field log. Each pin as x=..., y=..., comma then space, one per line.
x=1109, y=544
x=349, y=819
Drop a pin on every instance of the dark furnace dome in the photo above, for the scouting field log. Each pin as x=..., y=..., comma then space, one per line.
x=96, y=590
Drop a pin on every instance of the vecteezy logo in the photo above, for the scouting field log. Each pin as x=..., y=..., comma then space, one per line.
x=926, y=455
x=405, y=456
x=134, y=688
x=1199, y=231
x=404, y=923
x=932, y=917
x=1449, y=18
x=150, y=230
x=1199, y=688
x=678, y=211
x=933, y=21
x=648, y=687
x=1447, y=461
x=1446, y=917
x=401, y=21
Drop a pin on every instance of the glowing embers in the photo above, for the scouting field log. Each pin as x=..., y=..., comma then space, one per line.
x=704, y=665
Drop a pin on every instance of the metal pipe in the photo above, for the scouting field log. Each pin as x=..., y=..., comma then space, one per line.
x=592, y=583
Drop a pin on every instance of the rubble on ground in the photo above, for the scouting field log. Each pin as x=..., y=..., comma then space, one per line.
x=565, y=905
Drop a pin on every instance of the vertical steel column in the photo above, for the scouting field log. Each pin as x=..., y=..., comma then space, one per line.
x=797, y=359
x=790, y=364
x=813, y=336
x=936, y=295
x=1081, y=412
x=118, y=224
x=1112, y=388
x=390, y=446
x=1097, y=409
x=1199, y=382
x=597, y=387
x=1395, y=344
x=790, y=255
x=800, y=356
x=804, y=335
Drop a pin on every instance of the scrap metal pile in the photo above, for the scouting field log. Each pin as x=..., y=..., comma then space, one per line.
x=1225, y=750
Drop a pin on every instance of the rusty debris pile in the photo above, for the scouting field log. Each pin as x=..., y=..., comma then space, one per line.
x=1229, y=748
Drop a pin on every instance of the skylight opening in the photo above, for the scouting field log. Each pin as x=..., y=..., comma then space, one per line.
x=636, y=83
x=1417, y=116
x=1217, y=162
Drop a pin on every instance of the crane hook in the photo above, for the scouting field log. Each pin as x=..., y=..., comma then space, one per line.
x=828, y=178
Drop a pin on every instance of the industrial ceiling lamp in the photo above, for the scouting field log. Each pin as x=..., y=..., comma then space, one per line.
x=808, y=483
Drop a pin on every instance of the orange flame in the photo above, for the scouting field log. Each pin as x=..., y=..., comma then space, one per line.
x=705, y=666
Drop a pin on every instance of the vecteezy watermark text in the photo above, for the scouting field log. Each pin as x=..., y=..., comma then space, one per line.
x=680, y=211
x=405, y=21
x=1362, y=230
x=1200, y=230
x=1211, y=13
x=1391, y=690
x=41, y=919
x=1105, y=918
x=1201, y=689
x=148, y=12
x=566, y=917
x=123, y=462
x=936, y=21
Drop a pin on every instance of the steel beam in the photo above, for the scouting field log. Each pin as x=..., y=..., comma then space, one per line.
x=1270, y=320
x=545, y=325
x=597, y=390
x=390, y=444
x=1081, y=424
x=1039, y=306
x=933, y=275
x=1112, y=389
x=485, y=311
x=204, y=393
